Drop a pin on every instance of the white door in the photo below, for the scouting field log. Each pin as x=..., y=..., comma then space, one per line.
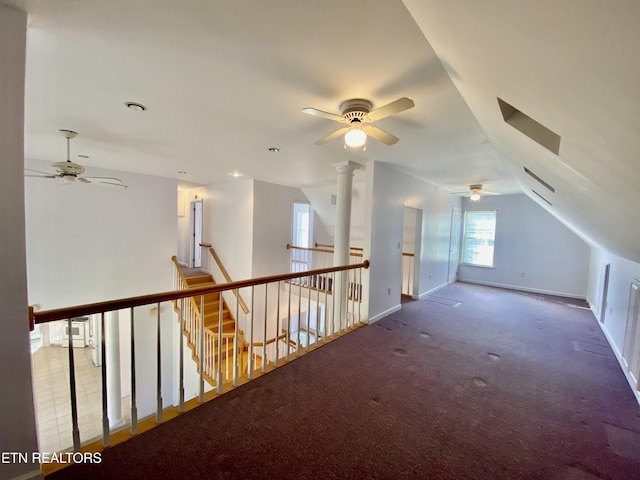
x=454, y=243
x=196, y=234
x=631, y=350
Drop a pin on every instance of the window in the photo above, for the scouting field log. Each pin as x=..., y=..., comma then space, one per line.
x=301, y=225
x=302, y=237
x=478, y=238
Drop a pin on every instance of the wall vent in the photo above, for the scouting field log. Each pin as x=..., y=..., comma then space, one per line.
x=538, y=179
x=544, y=199
x=532, y=129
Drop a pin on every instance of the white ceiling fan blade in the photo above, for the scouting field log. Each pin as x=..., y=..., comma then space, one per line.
x=380, y=135
x=46, y=174
x=392, y=108
x=484, y=192
x=331, y=136
x=105, y=181
x=41, y=176
x=323, y=114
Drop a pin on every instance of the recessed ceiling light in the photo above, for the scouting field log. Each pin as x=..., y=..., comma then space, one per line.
x=83, y=156
x=182, y=172
x=274, y=149
x=235, y=174
x=138, y=107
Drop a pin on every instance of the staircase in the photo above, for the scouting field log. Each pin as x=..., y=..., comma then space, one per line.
x=212, y=349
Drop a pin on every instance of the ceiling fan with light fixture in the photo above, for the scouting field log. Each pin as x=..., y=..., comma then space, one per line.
x=357, y=113
x=475, y=192
x=69, y=171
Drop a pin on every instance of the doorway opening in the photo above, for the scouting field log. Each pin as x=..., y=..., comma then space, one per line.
x=411, y=244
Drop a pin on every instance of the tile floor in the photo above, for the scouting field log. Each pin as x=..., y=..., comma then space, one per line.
x=52, y=400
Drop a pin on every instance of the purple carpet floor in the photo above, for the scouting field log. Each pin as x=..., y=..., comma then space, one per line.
x=471, y=383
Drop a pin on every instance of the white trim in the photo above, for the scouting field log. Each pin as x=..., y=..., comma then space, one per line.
x=425, y=294
x=380, y=316
x=618, y=355
x=526, y=289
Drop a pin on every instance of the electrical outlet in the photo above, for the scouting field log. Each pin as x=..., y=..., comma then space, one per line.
x=389, y=291
x=522, y=275
x=429, y=276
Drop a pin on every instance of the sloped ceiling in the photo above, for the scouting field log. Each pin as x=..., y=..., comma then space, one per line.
x=225, y=80
x=572, y=66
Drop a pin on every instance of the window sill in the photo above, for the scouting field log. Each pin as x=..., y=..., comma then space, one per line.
x=476, y=265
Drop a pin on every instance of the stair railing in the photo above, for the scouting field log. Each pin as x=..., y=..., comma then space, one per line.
x=304, y=258
x=215, y=367
x=407, y=273
x=220, y=275
x=293, y=313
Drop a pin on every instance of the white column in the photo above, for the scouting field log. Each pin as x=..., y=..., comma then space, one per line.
x=114, y=391
x=342, y=233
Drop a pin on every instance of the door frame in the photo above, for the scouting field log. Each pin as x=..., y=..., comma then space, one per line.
x=195, y=233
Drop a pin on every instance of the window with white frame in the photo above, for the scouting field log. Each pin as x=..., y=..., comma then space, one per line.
x=302, y=237
x=478, y=238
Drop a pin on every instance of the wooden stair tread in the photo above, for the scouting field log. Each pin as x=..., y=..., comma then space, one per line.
x=200, y=280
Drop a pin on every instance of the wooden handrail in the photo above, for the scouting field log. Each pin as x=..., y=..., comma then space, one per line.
x=226, y=276
x=311, y=249
x=270, y=341
x=110, y=305
x=175, y=262
x=328, y=245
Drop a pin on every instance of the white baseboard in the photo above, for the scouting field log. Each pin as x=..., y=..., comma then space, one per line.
x=380, y=316
x=433, y=290
x=525, y=289
x=618, y=355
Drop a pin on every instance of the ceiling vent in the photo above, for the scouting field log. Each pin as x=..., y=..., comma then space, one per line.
x=543, y=199
x=532, y=129
x=539, y=180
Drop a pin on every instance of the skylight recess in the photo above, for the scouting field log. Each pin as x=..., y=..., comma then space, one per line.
x=532, y=129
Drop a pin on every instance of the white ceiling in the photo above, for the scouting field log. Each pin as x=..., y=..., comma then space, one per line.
x=225, y=80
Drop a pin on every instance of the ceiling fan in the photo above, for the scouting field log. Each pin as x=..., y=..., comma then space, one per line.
x=357, y=113
x=69, y=172
x=475, y=192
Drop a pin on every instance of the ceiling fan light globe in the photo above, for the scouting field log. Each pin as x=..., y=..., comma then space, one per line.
x=474, y=197
x=355, y=138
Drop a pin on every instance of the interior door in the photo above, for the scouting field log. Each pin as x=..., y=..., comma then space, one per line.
x=454, y=243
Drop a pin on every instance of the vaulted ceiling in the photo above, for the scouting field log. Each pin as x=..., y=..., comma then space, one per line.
x=224, y=81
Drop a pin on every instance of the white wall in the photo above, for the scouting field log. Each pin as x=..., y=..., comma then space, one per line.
x=17, y=421
x=320, y=199
x=621, y=275
x=529, y=240
x=272, y=227
x=182, y=254
x=87, y=243
x=228, y=225
x=388, y=192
